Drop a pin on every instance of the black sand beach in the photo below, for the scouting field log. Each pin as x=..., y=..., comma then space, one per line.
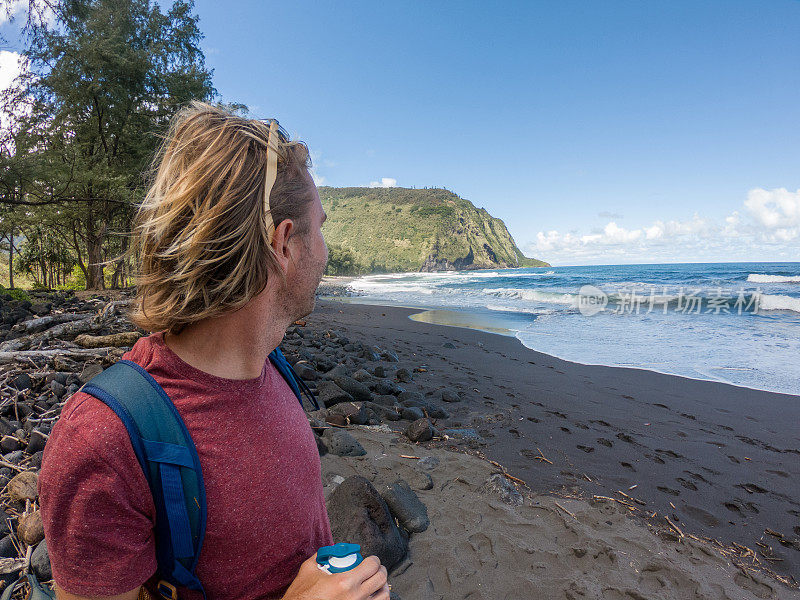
x=719, y=461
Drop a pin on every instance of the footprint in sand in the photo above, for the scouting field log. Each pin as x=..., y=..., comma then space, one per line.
x=669, y=453
x=586, y=449
x=626, y=438
x=605, y=442
x=627, y=465
x=666, y=490
x=687, y=484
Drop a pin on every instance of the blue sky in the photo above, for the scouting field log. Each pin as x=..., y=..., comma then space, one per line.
x=599, y=131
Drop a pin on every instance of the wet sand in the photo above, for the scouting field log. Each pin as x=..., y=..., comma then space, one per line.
x=719, y=461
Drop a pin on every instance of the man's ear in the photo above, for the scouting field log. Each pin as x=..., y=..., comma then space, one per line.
x=280, y=243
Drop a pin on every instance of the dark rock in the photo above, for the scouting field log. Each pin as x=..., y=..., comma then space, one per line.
x=7, y=549
x=41, y=308
x=21, y=382
x=14, y=457
x=379, y=371
x=40, y=562
x=358, y=514
x=414, y=398
x=35, y=461
x=306, y=372
x=23, y=409
x=36, y=442
x=355, y=388
x=386, y=387
x=412, y=413
x=386, y=400
x=382, y=412
x=419, y=431
x=450, y=396
x=6, y=523
x=321, y=446
x=371, y=355
x=406, y=506
x=420, y=480
x=337, y=371
x=500, y=485
x=330, y=394
x=6, y=427
x=341, y=443
x=9, y=443
x=89, y=371
x=403, y=375
x=363, y=376
x=336, y=420
x=354, y=413
x=389, y=356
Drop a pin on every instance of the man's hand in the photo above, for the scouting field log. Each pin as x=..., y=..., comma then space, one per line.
x=367, y=581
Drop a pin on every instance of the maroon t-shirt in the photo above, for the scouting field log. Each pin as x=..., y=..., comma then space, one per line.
x=266, y=508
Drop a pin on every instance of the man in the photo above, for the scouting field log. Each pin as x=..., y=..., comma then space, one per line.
x=231, y=252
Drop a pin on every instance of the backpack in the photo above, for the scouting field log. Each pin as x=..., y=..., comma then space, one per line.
x=168, y=457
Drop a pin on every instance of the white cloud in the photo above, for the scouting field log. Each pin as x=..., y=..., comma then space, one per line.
x=766, y=228
x=385, y=182
x=10, y=68
x=777, y=210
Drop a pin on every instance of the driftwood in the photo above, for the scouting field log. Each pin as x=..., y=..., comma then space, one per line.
x=77, y=353
x=62, y=330
x=11, y=565
x=126, y=338
x=40, y=324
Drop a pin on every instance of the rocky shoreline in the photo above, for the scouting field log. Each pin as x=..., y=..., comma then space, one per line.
x=404, y=469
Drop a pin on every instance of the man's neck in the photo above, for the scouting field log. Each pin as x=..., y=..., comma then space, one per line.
x=232, y=346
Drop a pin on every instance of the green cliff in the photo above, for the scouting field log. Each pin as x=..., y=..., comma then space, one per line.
x=401, y=229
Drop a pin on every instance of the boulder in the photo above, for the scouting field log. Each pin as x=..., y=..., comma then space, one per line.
x=354, y=412
x=450, y=396
x=40, y=562
x=331, y=394
x=403, y=375
x=356, y=389
x=419, y=431
x=358, y=514
x=412, y=413
x=406, y=506
x=341, y=443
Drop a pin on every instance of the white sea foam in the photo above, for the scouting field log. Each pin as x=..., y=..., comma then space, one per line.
x=533, y=295
x=778, y=302
x=760, y=278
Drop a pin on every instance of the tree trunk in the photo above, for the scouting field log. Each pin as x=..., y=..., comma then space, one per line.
x=11, y=259
x=94, y=275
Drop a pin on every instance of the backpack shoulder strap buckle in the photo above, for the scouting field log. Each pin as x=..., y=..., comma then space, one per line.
x=166, y=590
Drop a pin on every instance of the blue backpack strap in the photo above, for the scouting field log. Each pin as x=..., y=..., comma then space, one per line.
x=293, y=379
x=168, y=457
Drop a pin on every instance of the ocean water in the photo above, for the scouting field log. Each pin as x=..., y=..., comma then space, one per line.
x=737, y=323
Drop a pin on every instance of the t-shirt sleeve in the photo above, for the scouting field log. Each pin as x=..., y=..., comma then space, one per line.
x=96, y=506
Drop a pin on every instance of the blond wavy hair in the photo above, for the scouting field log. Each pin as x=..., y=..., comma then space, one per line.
x=202, y=234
